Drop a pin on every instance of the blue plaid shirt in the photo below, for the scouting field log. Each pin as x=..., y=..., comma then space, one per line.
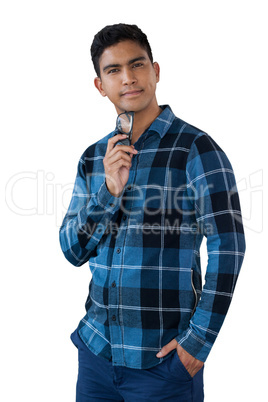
x=143, y=247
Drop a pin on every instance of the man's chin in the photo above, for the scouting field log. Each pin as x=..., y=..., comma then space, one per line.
x=132, y=107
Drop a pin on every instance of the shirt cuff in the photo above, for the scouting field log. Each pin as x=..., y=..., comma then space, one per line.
x=106, y=200
x=197, y=347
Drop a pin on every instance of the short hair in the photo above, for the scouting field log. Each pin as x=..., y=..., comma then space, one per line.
x=113, y=34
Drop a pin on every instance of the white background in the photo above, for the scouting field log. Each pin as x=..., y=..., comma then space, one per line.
x=213, y=59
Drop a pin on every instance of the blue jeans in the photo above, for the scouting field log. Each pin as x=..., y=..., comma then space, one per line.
x=99, y=380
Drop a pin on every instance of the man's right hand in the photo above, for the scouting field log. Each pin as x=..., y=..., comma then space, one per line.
x=117, y=164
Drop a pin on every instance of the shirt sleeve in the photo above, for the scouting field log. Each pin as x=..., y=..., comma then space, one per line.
x=212, y=188
x=87, y=218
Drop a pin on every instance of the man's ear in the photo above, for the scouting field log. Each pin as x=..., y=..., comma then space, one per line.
x=157, y=71
x=98, y=85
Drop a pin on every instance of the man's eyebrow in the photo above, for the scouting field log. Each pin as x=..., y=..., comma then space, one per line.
x=110, y=66
x=141, y=58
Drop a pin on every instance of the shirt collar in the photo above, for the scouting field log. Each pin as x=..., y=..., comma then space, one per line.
x=163, y=122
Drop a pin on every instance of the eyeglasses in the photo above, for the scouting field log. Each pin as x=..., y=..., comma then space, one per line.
x=124, y=125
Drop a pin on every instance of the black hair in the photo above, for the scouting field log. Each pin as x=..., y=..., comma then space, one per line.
x=113, y=34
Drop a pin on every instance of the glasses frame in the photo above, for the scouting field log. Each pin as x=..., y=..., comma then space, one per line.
x=130, y=116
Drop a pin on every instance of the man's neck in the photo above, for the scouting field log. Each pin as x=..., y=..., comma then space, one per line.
x=142, y=121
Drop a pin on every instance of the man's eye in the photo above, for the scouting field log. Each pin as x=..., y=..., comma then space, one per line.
x=113, y=70
x=137, y=65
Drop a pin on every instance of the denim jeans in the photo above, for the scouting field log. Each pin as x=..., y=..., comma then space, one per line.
x=99, y=380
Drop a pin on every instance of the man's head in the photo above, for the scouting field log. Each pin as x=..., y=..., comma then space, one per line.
x=112, y=35
x=126, y=73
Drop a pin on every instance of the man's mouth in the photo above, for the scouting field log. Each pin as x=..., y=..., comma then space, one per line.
x=132, y=93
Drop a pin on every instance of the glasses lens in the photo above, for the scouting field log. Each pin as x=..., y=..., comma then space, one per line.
x=124, y=122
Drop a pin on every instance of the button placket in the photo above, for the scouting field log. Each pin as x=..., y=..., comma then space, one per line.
x=116, y=274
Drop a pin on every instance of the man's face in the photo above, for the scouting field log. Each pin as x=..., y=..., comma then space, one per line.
x=128, y=77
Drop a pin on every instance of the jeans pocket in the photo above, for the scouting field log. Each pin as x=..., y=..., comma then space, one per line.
x=77, y=341
x=180, y=368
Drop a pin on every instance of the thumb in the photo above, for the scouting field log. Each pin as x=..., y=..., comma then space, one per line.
x=167, y=348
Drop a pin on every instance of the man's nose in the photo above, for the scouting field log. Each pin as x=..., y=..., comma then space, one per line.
x=129, y=77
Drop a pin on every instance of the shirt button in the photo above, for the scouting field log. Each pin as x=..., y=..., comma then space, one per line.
x=124, y=217
x=118, y=250
x=129, y=187
x=113, y=317
x=112, y=205
x=113, y=284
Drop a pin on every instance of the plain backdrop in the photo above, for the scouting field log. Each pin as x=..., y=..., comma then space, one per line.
x=213, y=59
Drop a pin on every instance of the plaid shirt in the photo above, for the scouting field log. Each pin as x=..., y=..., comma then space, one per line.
x=143, y=247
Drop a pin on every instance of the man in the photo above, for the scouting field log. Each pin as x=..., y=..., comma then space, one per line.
x=138, y=215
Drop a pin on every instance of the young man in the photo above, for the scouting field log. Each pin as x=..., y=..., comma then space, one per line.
x=138, y=215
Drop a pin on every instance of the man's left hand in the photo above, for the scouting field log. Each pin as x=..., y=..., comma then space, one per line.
x=191, y=364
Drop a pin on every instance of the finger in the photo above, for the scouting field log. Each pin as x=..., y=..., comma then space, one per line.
x=125, y=148
x=167, y=348
x=112, y=141
x=122, y=162
x=112, y=158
